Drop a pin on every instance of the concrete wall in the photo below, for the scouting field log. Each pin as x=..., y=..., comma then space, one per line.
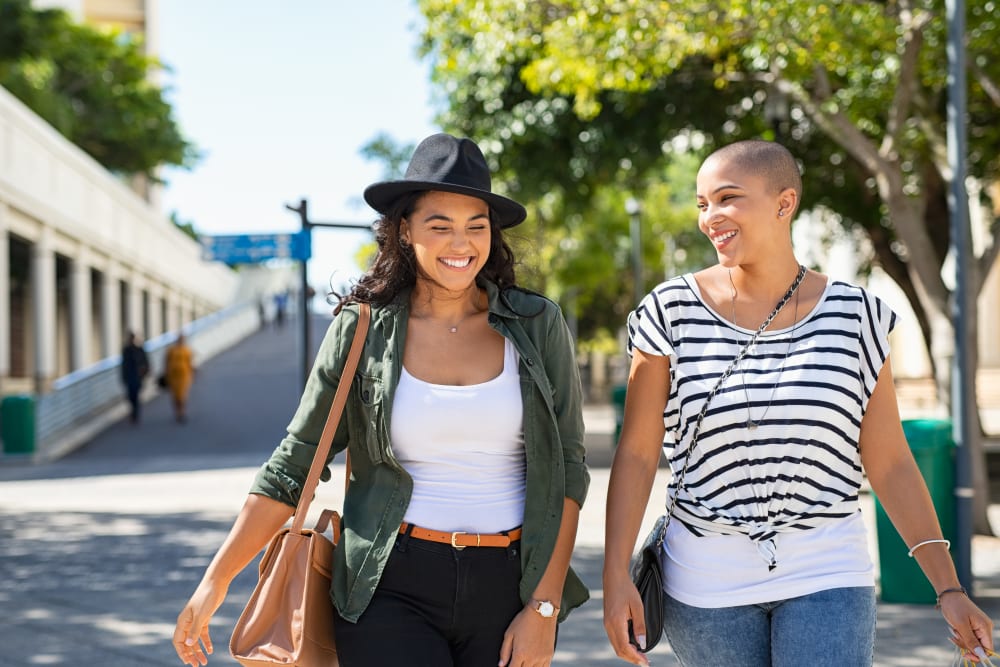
x=79, y=222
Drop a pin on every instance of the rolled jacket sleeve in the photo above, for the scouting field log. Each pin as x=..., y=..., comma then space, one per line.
x=561, y=367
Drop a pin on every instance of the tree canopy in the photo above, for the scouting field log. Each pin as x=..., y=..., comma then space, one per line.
x=574, y=96
x=579, y=93
x=93, y=86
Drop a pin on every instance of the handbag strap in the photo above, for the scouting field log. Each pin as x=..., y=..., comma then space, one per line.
x=333, y=419
x=715, y=390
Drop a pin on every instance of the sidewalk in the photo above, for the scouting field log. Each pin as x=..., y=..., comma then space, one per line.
x=98, y=551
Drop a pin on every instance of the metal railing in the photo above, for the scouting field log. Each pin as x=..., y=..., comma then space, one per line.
x=90, y=398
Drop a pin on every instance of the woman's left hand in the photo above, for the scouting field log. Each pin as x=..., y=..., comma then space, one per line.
x=971, y=628
x=530, y=641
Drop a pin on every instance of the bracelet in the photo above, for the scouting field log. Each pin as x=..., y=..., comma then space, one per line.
x=957, y=589
x=947, y=544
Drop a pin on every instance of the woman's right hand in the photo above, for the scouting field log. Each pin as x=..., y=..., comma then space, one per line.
x=623, y=606
x=191, y=639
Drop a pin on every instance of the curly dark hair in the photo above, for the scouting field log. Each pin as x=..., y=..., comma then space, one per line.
x=395, y=266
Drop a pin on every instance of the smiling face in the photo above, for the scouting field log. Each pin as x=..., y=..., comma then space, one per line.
x=450, y=236
x=744, y=216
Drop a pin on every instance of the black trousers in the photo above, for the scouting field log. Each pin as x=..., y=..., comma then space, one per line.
x=436, y=606
x=132, y=392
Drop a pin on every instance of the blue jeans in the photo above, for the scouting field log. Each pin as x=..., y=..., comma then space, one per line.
x=834, y=628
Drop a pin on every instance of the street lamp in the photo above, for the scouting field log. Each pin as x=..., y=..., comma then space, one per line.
x=634, y=210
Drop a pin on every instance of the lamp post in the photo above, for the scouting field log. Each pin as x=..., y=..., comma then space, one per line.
x=634, y=210
x=963, y=374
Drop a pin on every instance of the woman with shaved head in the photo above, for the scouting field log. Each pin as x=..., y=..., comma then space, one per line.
x=769, y=388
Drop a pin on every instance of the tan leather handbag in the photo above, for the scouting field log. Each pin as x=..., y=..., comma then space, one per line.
x=289, y=618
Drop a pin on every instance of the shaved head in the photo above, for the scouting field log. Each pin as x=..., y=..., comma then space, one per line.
x=766, y=159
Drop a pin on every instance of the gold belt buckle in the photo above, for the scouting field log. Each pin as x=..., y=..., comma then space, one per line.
x=462, y=532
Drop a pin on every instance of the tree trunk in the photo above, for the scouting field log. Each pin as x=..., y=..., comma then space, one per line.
x=924, y=276
x=977, y=451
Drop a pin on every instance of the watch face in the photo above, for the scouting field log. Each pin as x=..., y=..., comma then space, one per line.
x=546, y=609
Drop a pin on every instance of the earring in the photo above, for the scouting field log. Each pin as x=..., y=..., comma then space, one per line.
x=781, y=213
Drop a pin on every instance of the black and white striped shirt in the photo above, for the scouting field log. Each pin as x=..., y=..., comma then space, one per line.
x=807, y=386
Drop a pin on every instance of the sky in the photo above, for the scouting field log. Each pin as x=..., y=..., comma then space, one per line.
x=280, y=98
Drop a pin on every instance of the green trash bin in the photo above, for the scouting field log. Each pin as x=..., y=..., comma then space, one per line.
x=933, y=449
x=618, y=401
x=17, y=424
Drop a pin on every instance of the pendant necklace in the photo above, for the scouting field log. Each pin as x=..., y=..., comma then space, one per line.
x=752, y=423
x=454, y=327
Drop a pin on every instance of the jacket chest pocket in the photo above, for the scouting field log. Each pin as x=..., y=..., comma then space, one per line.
x=369, y=430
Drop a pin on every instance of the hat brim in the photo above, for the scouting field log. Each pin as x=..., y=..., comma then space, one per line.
x=380, y=196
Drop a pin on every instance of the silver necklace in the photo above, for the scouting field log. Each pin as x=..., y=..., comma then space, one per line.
x=793, y=289
x=453, y=328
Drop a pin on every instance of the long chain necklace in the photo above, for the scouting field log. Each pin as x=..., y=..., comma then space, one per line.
x=793, y=289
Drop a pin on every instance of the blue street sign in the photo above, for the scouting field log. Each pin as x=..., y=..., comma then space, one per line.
x=252, y=248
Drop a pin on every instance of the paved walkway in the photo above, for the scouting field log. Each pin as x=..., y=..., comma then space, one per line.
x=98, y=551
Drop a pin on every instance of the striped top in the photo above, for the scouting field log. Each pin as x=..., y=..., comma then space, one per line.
x=806, y=386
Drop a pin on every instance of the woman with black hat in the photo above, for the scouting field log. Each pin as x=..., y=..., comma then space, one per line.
x=466, y=439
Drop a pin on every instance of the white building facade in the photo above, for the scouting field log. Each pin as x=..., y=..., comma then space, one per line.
x=84, y=259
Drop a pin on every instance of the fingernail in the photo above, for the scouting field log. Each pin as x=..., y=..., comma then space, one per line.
x=642, y=640
x=189, y=642
x=980, y=653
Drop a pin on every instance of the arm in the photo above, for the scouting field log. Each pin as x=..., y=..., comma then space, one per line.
x=531, y=639
x=273, y=496
x=632, y=473
x=897, y=482
x=256, y=524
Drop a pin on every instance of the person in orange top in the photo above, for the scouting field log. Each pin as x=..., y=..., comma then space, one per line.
x=180, y=374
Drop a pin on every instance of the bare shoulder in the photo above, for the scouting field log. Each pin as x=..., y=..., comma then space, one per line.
x=812, y=289
x=709, y=274
x=713, y=283
x=814, y=283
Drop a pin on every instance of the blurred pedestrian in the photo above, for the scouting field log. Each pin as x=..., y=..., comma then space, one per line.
x=769, y=387
x=134, y=368
x=280, y=307
x=261, y=312
x=179, y=371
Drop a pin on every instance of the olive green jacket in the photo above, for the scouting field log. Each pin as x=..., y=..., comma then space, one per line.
x=380, y=488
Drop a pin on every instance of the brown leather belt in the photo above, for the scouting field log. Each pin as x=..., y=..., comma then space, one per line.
x=460, y=540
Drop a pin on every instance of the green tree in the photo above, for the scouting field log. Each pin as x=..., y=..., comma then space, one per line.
x=94, y=87
x=578, y=92
x=393, y=155
x=186, y=226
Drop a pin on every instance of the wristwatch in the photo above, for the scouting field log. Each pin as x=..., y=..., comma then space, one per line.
x=544, y=608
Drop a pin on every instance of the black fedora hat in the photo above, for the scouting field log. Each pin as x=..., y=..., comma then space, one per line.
x=449, y=164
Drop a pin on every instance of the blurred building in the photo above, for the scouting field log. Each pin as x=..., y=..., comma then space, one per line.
x=136, y=17
x=84, y=257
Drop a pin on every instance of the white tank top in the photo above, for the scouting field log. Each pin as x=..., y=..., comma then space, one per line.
x=464, y=448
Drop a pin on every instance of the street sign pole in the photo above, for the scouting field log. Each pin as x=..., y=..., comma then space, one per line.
x=962, y=373
x=303, y=210
x=306, y=224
